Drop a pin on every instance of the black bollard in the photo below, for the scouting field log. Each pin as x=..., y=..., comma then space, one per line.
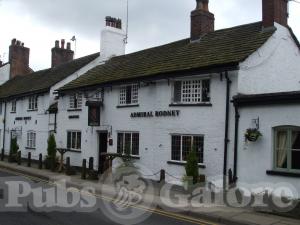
x=40, y=161
x=162, y=176
x=91, y=163
x=19, y=157
x=29, y=159
x=68, y=166
x=83, y=169
x=2, y=154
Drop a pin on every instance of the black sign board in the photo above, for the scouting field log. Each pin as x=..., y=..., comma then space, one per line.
x=94, y=116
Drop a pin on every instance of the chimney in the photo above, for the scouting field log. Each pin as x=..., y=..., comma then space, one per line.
x=202, y=21
x=275, y=11
x=112, y=39
x=60, y=54
x=0, y=63
x=18, y=59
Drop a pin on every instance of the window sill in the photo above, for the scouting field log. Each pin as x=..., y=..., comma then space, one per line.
x=135, y=157
x=184, y=163
x=74, y=110
x=13, y=112
x=190, y=105
x=127, y=106
x=74, y=151
x=282, y=173
x=74, y=117
x=32, y=110
x=28, y=148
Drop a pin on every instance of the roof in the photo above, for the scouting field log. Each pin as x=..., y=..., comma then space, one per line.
x=219, y=48
x=41, y=81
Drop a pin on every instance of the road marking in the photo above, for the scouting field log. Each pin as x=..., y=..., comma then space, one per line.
x=109, y=199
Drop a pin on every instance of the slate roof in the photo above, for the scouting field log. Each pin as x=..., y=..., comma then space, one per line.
x=216, y=49
x=41, y=81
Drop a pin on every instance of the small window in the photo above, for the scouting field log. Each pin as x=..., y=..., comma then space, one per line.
x=287, y=148
x=191, y=91
x=74, y=140
x=75, y=101
x=128, y=142
x=31, y=139
x=183, y=144
x=129, y=95
x=33, y=103
x=13, y=106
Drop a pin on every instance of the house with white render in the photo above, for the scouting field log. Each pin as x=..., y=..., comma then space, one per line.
x=201, y=92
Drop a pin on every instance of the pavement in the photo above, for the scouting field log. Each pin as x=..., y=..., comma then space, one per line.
x=215, y=213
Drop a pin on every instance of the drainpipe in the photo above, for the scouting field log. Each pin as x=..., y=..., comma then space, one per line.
x=236, y=134
x=4, y=126
x=226, y=140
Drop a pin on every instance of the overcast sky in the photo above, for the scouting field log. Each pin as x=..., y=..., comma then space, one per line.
x=38, y=23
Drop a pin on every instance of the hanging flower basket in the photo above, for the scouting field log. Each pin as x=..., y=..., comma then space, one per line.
x=252, y=134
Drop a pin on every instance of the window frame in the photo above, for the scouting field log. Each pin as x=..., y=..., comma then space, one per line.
x=33, y=103
x=31, y=139
x=77, y=102
x=134, y=95
x=76, y=140
x=191, y=79
x=13, y=106
x=131, y=142
x=289, y=130
x=181, y=146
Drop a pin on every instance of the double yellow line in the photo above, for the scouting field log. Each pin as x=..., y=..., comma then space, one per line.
x=140, y=207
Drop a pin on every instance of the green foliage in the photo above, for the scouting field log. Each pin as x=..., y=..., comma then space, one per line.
x=51, y=159
x=191, y=167
x=14, y=147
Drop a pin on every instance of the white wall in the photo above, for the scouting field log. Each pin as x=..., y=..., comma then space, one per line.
x=39, y=123
x=254, y=159
x=155, y=133
x=275, y=67
x=4, y=73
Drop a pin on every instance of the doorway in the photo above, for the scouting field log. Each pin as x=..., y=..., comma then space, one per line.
x=102, y=149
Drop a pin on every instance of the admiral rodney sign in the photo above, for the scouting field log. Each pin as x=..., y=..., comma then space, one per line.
x=168, y=113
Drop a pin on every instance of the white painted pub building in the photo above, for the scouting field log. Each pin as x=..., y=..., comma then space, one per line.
x=204, y=92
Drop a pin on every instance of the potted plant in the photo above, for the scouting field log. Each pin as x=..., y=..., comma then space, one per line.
x=191, y=169
x=252, y=134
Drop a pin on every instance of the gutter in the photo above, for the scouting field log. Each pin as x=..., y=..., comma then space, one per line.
x=4, y=125
x=226, y=140
x=236, y=136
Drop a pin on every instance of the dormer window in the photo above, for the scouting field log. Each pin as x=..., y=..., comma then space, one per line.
x=129, y=95
x=33, y=103
x=191, y=91
x=75, y=101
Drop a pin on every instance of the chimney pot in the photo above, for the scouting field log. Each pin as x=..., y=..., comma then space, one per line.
x=63, y=43
x=13, y=41
x=68, y=46
x=18, y=43
x=57, y=44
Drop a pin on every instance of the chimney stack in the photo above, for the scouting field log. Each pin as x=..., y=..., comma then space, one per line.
x=18, y=59
x=112, y=39
x=202, y=21
x=60, y=54
x=275, y=11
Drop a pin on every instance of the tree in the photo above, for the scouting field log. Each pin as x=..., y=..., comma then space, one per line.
x=191, y=167
x=51, y=152
x=14, y=147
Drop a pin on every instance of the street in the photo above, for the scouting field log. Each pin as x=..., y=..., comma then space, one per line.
x=80, y=218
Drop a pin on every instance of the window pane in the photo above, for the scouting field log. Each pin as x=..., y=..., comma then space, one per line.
x=122, y=96
x=176, y=143
x=73, y=140
x=120, y=143
x=128, y=94
x=135, y=144
x=281, y=149
x=78, y=144
x=205, y=90
x=127, y=143
x=186, y=146
x=296, y=150
x=135, y=92
x=69, y=140
x=198, y=143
